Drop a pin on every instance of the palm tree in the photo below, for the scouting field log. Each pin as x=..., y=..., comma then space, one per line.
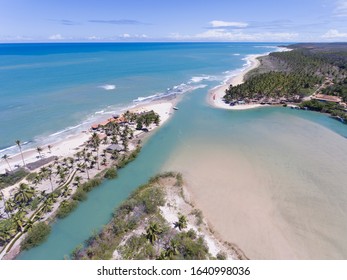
x=6, y=158
x=28, y=225
x=46, y=173
x=115, y=154
x=39, y=150
x=96, y=144
x=7, y=234
x=71, y=161
x=182, y=222
x=20, y=149
x=78, y=180
x=49, y=148
x=157, y=120
x=47, y=206
x=62, y=176
x=48, y=203
x=9, y=206
x=152, y=232
x=24, y=194
x=66, y=192
x=172, y=250
x=37, y=180
x=19, y=219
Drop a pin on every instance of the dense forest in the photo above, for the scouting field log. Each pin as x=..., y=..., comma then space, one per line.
x=291, y=76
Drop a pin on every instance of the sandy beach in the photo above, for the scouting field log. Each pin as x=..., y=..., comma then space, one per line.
x=68, y=148
x=215, y=96
x=71, y=144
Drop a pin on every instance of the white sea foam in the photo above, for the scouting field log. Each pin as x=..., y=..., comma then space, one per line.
x=170, y=92
x=236, y=54
x=108, y=87
x=199, y=79
x=13, y=149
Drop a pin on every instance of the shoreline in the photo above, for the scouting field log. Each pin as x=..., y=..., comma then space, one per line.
x=215, y=96
x=68, y=146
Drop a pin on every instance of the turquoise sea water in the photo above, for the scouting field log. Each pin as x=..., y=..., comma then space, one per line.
x=195, y=131
x=48, y=91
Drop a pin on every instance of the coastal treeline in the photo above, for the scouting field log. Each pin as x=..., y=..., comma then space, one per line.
x=291, y=76
x=273, y=85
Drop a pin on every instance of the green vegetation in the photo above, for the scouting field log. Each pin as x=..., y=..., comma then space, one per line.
x=335, y=110
x=111, y=173
x=158, y=240
x=127, y=159
x=221, y=256
x=27, y=204
x=290, y=76
x=147, y=118
x=91, y=184
x=7, y=230
x=66, y=207
x=79, y=195
x=272, y=85
x=32, y=176
x=36, y=235
x=10, y=179
x=198, y=215
x=337, y=89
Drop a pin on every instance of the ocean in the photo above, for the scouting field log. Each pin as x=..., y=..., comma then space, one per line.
x=277, y=173
x=50, y=91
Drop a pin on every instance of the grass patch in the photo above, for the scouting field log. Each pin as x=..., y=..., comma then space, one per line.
x=7, y=180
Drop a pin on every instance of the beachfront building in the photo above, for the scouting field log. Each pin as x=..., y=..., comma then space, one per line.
x=115, y=147
x=327, y=98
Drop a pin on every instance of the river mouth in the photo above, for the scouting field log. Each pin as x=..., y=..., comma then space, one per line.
x=269, y=181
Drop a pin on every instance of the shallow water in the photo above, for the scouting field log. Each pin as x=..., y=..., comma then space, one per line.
x=271, y=180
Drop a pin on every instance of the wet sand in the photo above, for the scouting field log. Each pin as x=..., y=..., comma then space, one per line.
x=275, y=187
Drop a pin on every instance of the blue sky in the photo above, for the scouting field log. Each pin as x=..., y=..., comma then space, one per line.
x=175, y=20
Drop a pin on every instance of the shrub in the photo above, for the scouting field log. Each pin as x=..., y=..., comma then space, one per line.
x=199, y=217
x=111, y=173
x=79, y=195
x=88, y=186
x=66, y=208
x=36, y=235
x=221, y=256
x=179, y=180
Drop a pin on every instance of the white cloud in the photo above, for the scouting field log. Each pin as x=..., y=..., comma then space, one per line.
x=224, y=35
x=129, y=36
x=341, y=8
x=56, y=37
x=220, y=23
x=125, y=35
x=334, y=34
